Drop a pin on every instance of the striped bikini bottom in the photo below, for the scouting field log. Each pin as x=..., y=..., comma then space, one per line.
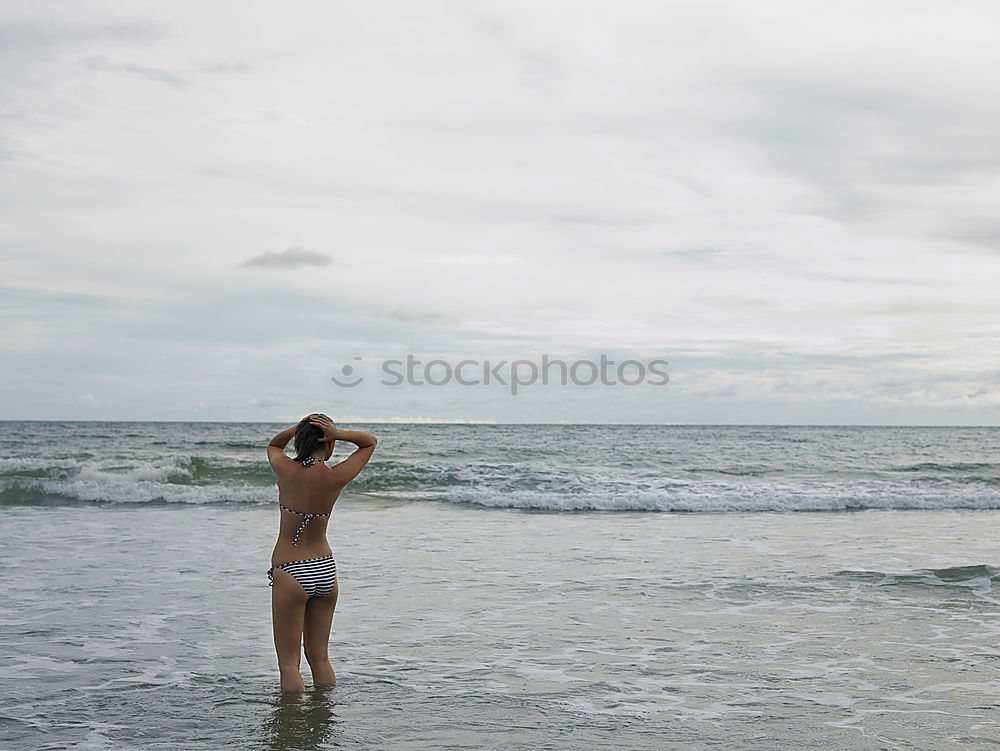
x=318, y=576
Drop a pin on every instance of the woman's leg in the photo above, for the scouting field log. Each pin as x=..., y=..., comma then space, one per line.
x=288, y=601
x=318, y=619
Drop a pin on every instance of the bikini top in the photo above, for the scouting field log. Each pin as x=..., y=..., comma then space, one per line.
x=306, y=518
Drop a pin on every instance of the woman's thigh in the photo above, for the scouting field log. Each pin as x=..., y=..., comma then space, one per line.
x=318, y=619
x=288, y=606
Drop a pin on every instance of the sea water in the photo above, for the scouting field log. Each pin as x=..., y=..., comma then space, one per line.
x=515, y=587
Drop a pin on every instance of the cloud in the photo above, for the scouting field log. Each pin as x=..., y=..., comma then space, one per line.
x=694, y=254
x=224, y=67
x=473, y=259
x=171, y=78
x=34, y=36
x=420, y=317
x=160, y=75
x=292, y=257
x=699, y=178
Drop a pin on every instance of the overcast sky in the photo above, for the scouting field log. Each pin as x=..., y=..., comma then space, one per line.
x=209, y=208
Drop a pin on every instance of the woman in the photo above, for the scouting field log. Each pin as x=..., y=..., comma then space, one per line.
x=303, y=572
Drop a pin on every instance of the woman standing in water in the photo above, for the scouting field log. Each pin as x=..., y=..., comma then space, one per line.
x=303, y=572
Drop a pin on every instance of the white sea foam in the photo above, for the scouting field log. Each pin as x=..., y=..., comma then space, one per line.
x=162, y=480
x=779, y=497
x=583, y=468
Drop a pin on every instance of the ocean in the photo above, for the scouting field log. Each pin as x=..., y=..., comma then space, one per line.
x=510, y=586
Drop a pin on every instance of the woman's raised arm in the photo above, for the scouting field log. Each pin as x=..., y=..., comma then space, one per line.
x=281, y=440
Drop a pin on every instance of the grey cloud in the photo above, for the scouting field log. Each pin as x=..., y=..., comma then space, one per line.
x=160, y=75
x=404, y=315
x=24, y=298
x=911, y=308
x=32, y=35
x=984, y=233
x=534, y=66
x=858, y=141
x=224, y=68
x=596, y=219
x=694, y=254
x=613, y=151
x=291, y=258
x=748, y=303
x=876, y=279
x=340, y=191
x=172, y=78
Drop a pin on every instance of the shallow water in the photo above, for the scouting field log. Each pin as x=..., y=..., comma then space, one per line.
x=464, y=628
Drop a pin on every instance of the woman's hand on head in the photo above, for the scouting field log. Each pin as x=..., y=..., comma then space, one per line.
x=325, y=424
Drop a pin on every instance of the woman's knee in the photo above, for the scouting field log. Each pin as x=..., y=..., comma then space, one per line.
x=289, y=665
x=316, y=657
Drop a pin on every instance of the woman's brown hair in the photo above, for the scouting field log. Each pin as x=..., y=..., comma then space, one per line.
x=307, y=439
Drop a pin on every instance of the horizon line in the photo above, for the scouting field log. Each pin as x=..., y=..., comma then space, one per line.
x=562, y=422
